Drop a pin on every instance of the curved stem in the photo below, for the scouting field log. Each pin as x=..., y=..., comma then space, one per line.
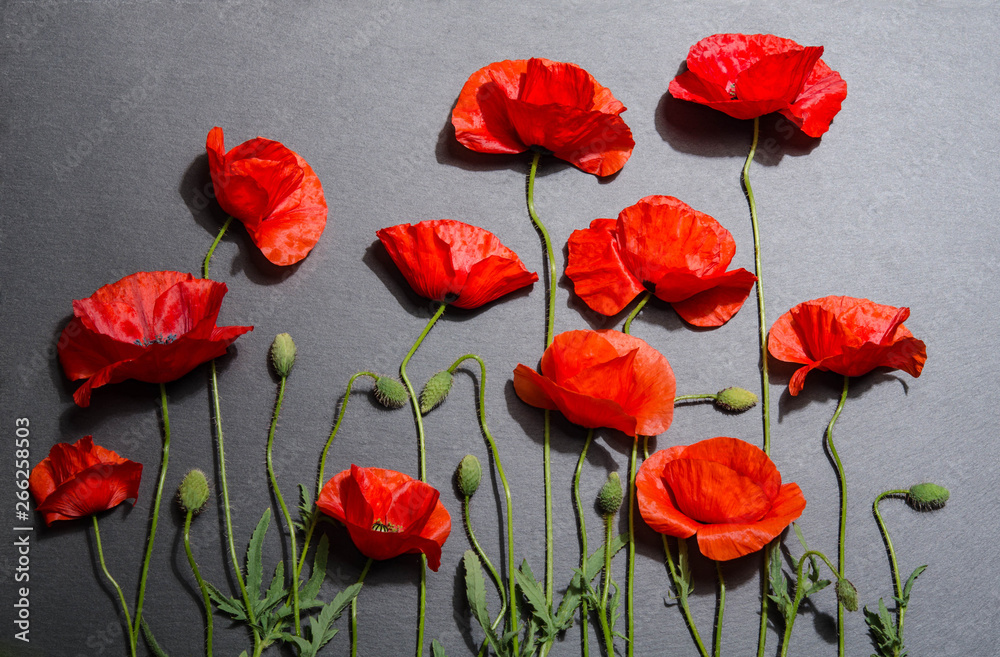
x=211, y=249
x=156, y=515
x=693, y=397
x=602, y=612
x=897, y=583
x=225, y=507
x=842, y=534
x=631, y=545
x=201, y=584
x=494, y=575
x=800, y=594
x=314, y=521
x=627, y=330
x=415, y=402
x=675, y=576
x=584, y=607
x=721, y=611
x=354, y=611
x=511, y=582
x=549, y=327
x=765, y=392
x=121, y=596
x=284, y=507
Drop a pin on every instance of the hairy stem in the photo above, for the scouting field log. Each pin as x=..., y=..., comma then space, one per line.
x=582, y=519
x=897, y=583
x=121, y=596
x=354, y=610
x=201, y=583
x=284, y=507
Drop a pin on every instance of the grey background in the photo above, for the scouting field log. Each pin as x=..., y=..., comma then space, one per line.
x=105, y=110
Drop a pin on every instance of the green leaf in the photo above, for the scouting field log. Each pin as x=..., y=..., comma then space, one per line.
x=305, y=648
x=311, y=588
x=276, y=592
x=779, y=587
x=147, y=633
x=535, y=598
x=231, y=606
x=254, y=564
x=475, y=592
x=905, y=601
x=343, y=599
x=882, y=628
x=570, y=602
x=683, y=569
x=595, y=564
x=437, y=650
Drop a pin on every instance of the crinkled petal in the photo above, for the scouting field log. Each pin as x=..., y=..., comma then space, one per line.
x=717, y=305
x=819, y=102
x=730, y=541
x=712, y=493
x=656, y=504
x=595, y=266
x=579, y=408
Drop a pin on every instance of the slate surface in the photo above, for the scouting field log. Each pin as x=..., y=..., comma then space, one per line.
x=105, y=109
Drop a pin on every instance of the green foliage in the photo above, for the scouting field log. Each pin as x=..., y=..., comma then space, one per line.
x=437, y=650
x=147, y=634
x=782, y=589
x=882, y=627
x=475, y=593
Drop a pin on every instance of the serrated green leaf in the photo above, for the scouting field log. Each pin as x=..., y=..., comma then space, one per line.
x=814, y=587
x=535, y=597
x=343, y=599
x=883, y=632
x=595, y=564
x=779, y=586
x=475, y=593
x=147, y=633
x=305, y=648
x=437, y=650
x=684, y=567
x=227, y=605
x=244, y=654
x=276, y=592
x=254, y=563
x=310, y=590
x=909, y=584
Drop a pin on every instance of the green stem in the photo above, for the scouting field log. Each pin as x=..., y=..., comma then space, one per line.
x=284, y=507
x=631, y=545
x=897, y=583
x=354, y=611
x=549, y=327
x=201, y=584
x=692, y=397
x=842, y=535
x=494, y=575
x=721, y=611
x=765, y=392
x=121, y=596
x=627, y=330
x=799, y=595
x=675, y=577
x=314, y=521
x=512, y=582
x=217, y=411
x=581, y=517
x=156, y=516
x=609, y=643
x=211, y=249
x=415, y=402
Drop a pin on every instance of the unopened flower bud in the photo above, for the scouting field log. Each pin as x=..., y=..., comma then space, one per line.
x=193, y=492
x=390, y=392
x=468, y=475
x=847, y=595
x=735, y=400
x=435, y=390
x=609, y=500
x=927, y=496
x=283, y=354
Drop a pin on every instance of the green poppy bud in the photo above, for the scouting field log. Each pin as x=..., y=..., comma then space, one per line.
x=283, y=354
x=609, y=500
x=847, y=595
x=193, y=492
x=927, y=496
x=435, y=390
x=390, y=392
x=735, y=400
x=468, y=475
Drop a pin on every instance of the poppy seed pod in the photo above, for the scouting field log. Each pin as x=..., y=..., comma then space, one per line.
x=847, y=595
x=609, y=500
x=390, y=392
x=927, y=496
x=468, y=475
x=193, y=492
x=283, y=354
x=735, y=400
x=435, y=391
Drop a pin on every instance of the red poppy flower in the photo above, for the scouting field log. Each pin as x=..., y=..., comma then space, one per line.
x=845, y=335
x=726, y=491
x=273, y=191
x=151, y=326
x=661, y=244
x=602, y=379
x=81, y=479
x=455, y=263
x=514, y=105
x=387, y=513
x=750, y=75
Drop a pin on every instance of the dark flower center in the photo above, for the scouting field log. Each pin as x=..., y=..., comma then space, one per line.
x=731, y=90
x=384, y=527
x=159, y=339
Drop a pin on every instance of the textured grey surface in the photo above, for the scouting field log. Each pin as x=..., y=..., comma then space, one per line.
x=105, y=110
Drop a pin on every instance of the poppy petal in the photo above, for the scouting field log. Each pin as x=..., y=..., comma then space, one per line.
x=579, y=408
x=717, y=305
x=819, y=102
x=595, y=266
x=656, y=505
x=724, y=542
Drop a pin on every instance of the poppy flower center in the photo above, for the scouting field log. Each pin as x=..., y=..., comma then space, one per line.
x=159, y=339
x=384, y=527
x=713, y=493
x=731, y=90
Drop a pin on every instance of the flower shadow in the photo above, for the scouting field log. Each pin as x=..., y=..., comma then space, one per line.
x=823, y=386
x=196, y=191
